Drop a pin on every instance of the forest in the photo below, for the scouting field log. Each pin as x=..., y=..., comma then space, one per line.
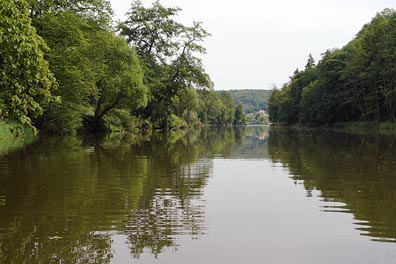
x=252, y=100
x=356, y=83
x=66, y=66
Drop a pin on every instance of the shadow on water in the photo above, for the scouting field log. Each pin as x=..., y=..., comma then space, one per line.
x=358, y=171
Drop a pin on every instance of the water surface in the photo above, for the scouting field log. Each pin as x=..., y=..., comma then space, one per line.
x=253, y=195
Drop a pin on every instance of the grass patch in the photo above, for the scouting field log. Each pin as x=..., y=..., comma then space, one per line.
x=10, y=140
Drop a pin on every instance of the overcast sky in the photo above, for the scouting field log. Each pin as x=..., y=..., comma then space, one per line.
x=258, y=43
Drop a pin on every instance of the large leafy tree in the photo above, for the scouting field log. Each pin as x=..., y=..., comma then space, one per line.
x=69, y=27
x=97, y=11
x=168, y=50
x=96, y=70
x=119, y=77
x=66, y=34
x=25, y=78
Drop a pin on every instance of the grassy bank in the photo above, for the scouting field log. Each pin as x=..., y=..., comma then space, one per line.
x=10, y=141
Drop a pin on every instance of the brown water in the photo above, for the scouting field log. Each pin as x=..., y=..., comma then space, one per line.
x=252, y=195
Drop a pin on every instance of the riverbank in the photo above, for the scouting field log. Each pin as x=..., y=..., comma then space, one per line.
x=367, y=127
x=385, y=128
x=10, y=141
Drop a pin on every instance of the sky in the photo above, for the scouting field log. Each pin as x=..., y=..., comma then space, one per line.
x=256, y=44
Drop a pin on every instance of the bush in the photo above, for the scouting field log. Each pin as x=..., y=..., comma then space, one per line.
x=176, y=122
x=116, y=121
x=13, y=135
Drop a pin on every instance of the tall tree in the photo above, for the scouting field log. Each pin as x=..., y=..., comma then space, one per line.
x=168, y=52
x=119, y=77
x=310, y=62
x=68, y=28
x=25, y=78
x=240, y=116
x=96, y=11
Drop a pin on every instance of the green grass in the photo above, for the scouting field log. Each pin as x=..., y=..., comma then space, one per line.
x=10, y=141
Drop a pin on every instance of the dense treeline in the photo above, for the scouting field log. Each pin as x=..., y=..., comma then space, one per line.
x=252, y=100
x=355, y=83
x=66, y=66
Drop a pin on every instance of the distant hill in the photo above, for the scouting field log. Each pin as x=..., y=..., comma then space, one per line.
x=252, y=100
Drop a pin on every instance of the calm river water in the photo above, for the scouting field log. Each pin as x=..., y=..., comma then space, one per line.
x=249, y=195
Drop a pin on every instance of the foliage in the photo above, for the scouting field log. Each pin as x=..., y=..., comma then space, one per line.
x=119, y=77
x=93, y=66
x=252, y=100
x=97, y=12
x=66, y=34
x=215, y=109
x=25, y=79
x=186, y=105
x=355, y=83
x=168, y=52
x=240, y=116
x=118, y=120
x=177, y=122
x=257, y=119
x=10, y=141
x=152, y=72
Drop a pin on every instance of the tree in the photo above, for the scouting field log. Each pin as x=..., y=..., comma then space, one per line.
x=25, y=78
x=168, y=52
x=69, y=37
x=151, y=30
x=240, y=116
x=119, y=77
x=68, y=28
x=228, y=111
x=97, y=71
x=186, y=104
x=355, y=83
x=279, y=105
x=211, y=108
x=98, y=12
x=310, y=62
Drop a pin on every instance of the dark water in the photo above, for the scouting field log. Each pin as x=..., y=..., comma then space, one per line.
x=252, y=195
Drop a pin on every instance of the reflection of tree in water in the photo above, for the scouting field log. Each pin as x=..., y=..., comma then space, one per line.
x=357, y=170
x=170, y=208
x=251, y=143
x=63, y=198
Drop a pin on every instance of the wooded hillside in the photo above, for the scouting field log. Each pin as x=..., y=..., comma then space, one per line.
x=252, y=100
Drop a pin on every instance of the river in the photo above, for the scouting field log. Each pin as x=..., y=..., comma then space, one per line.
x=243, y=195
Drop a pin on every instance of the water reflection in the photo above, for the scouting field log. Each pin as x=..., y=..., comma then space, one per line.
x=353, y=173
x=66, y=198
x=82, y=200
